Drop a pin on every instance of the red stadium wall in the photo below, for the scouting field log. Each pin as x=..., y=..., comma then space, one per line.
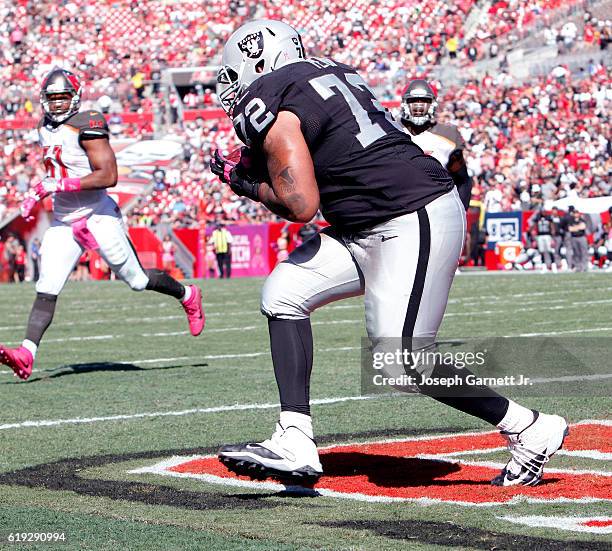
x=255, y=251
x=191, y=238
x=258, y=248
x=275, y=229
x=22, y=123
x=148, y=246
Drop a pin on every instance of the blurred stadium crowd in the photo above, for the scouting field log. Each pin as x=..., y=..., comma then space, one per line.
x=527, y=141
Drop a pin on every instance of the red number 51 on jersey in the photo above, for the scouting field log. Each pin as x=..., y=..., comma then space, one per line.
x=52, y=159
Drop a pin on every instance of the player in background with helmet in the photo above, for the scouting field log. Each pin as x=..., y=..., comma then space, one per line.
x=80, y=165
x=442, y=141
x=396, y=231
x=545, y=230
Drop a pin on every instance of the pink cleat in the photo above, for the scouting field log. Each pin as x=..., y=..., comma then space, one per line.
x=20, y=360
x=195, y=312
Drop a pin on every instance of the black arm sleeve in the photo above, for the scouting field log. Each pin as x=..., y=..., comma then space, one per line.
x=463, y=181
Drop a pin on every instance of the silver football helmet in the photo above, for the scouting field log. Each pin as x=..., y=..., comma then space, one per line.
x=419, y=103
x=60, y=94
x=256, y=48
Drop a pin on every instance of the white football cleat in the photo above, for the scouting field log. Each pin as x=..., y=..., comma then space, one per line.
x=289, y=455
x=531, y=449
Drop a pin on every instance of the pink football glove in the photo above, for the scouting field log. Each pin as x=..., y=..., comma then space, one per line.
x=27, y=206
x=43, y=189
x=222, y=166
x=232, y=171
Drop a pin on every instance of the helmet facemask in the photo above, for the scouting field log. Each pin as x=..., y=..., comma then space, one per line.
x=60, y=95
x=57, y=105
x=419, y=103
x=228, y=87
x=419, y=111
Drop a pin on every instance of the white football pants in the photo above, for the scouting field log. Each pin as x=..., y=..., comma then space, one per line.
x=405, y=268
x=60, y=251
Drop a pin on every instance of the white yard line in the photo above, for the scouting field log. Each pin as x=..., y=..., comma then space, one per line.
x=571, y=378
x=177, y=333
x=504, y=298
x=557, y=322
x=255, y=327
x=81, y=305
x=593, y=301
x=477, y=314
x=83, y=322
x=68, y=311
x=216, y=330
x=216, y=409
x=139, y=320
x=568, y=332
x=322, y=401
x=86, y=338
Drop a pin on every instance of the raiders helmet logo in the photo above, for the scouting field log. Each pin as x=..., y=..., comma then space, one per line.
x=252, y=45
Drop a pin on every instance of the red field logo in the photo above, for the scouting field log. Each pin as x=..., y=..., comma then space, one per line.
x=442, y=469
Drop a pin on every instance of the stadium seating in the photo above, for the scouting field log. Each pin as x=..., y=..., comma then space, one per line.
x=544, y=137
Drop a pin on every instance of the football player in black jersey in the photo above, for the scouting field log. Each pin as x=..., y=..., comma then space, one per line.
x=545, y=231
x=397, y=229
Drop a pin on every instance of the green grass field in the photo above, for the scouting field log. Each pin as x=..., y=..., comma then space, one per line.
x=120, y=386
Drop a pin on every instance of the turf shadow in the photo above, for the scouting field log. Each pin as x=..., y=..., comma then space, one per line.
x=448, y=534
x=96, y=367
x=391, y=472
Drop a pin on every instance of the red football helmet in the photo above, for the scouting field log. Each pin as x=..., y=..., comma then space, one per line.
x=419, y=103
x=60, y=95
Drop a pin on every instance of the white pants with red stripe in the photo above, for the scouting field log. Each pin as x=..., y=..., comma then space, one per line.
x=60, y=251
x=404, y=267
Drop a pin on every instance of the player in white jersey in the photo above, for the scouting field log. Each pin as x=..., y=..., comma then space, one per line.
x=442, y=141
x=80, y=166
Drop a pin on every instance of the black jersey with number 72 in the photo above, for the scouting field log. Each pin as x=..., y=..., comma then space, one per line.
x=367, y=168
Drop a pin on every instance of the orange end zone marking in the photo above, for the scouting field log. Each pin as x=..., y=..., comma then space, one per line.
x=597, y=523
x=389, y=469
